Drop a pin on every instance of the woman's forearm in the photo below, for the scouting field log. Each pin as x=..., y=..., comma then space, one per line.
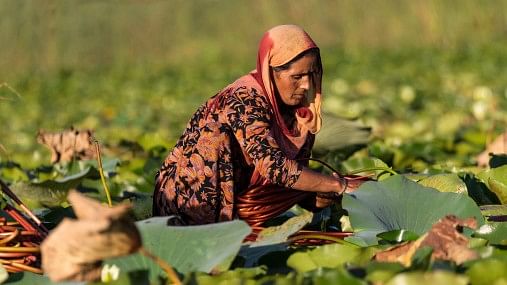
x=313, y=181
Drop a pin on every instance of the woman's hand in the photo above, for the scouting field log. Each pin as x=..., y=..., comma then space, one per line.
x=349, y=183
x=328, y=187
x=353, y=184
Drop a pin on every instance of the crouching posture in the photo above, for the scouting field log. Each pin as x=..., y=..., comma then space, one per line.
x=244, y=152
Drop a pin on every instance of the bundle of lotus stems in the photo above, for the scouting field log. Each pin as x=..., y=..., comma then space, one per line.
x=20, y=235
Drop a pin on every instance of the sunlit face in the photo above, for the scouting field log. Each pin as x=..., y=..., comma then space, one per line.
x=294, y=84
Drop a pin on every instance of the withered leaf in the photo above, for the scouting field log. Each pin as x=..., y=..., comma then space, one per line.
x=444, y=238
x=68, y=144
x=76, y=248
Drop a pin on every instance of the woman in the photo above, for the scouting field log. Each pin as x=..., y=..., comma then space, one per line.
x=244, y=152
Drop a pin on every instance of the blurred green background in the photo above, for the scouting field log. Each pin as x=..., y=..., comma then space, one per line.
x=421, y=73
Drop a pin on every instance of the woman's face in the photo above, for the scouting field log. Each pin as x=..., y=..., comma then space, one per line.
x=294, y=84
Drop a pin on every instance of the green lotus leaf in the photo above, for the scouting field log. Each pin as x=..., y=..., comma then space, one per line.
x=399, y=203
x=12, y=173
x=330, y=256
x=272, y=241
x=49, y=193
x=398, y=236
x=495, y=233
x=236, y=276
x=424, y=278
x=447, y=182
x=337, y=133
x=499, y=188
x=109, y=165
x=494, y=210
x=323, y=276
x=488, y=271
x=496, y=180
x=371, y=165
x=381, y=272
x=189, y=248
x=24, y=278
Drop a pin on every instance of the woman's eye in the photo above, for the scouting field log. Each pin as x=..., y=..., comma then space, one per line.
x=297, y=77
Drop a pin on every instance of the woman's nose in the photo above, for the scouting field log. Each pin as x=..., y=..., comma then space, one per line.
x=305, y=82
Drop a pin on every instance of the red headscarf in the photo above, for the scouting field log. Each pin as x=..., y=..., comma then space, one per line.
x=279, y=46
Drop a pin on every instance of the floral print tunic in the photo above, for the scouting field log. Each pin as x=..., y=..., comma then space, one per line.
x=227, y=139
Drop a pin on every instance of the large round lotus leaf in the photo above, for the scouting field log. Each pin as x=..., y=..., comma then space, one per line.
x=191, y=248
x=399, y=203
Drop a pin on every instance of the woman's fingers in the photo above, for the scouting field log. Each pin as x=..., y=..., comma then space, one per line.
x=321, y=202
x=353, y=185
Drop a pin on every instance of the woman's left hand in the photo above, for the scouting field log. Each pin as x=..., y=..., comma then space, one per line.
x=350, y=183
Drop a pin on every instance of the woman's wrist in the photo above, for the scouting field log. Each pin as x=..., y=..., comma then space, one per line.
x=343, y=183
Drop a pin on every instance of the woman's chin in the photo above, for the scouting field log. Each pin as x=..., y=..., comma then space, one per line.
x=297, y=101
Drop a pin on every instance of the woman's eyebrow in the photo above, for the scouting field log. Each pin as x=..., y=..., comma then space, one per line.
x=304, y=73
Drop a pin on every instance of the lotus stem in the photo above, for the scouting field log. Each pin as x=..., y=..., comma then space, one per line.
x=12, y=235
x=368, y=169
x=163, y=264
x=19, y=260
x=26, y=267
x=319, y=237
x=101, y=171
x=12, y=269
x=14, y=254
x=19, y=249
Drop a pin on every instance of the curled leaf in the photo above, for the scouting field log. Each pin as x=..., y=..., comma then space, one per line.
x=76, y=248
x=280, y=234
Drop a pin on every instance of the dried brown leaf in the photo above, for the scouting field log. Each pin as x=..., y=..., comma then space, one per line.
x=68, y=144
x=444, y=238
x=76, y=248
